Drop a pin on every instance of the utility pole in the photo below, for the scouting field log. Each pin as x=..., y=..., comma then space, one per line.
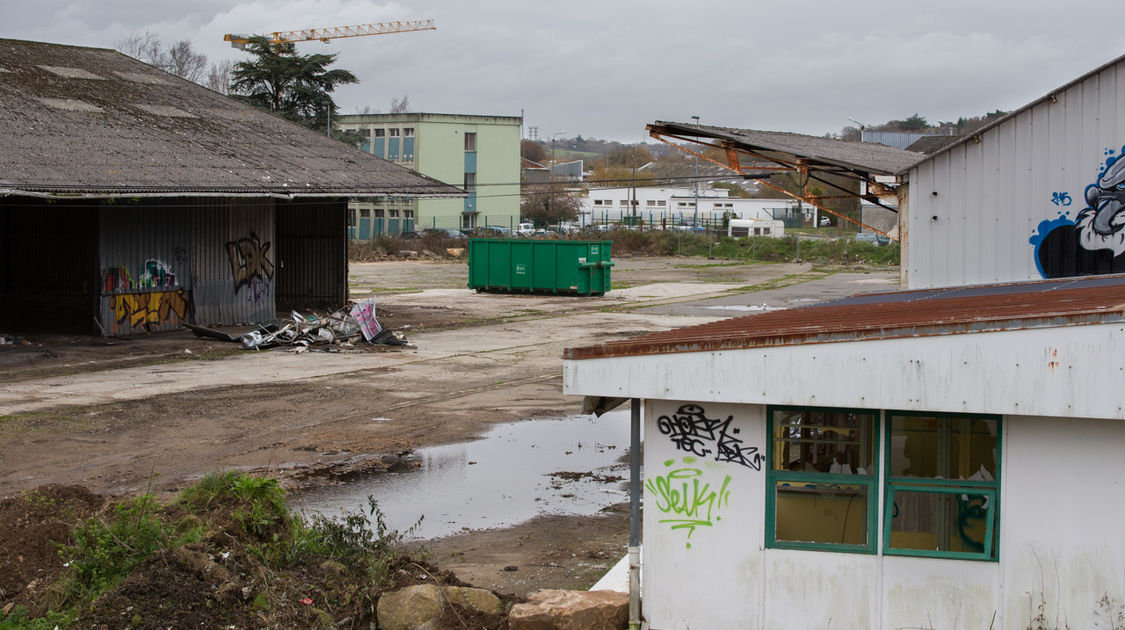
x=695, y=221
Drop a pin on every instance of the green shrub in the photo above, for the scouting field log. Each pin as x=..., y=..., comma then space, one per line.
x=108, y=547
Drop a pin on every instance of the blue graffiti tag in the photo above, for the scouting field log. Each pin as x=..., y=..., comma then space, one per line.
x=1061, y=199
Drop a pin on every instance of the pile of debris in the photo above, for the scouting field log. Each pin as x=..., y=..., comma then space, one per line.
x=342, y=328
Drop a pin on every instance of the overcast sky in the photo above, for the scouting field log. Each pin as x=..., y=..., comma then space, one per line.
x=605, y=69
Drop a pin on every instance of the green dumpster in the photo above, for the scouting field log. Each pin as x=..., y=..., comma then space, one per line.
x=519, y=265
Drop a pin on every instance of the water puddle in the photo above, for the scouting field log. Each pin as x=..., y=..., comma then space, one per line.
x=512, y=474
x=743, y=307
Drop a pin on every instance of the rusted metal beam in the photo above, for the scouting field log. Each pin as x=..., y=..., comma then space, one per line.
x=809, y=200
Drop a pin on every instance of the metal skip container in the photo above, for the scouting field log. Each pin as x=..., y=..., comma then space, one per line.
x=532, y=266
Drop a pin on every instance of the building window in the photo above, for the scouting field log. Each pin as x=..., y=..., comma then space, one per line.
x=661, y=203
x=351, y=218
x=379, y=133
x=470, y=182
x=364, y=213
x=394, y=133
x=821, y=480
x=650, y=203
x=624, y=203
x=408, y=214
x=408, y=132
x=379, y=213
x=393, y=213
x=766, y=231
x=942, y=488
x=470, y=141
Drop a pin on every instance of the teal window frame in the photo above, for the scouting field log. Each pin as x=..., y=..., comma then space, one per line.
x=991, y=552
x=869, y=481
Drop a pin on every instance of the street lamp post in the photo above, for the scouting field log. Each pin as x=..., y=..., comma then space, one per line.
x=551, y=174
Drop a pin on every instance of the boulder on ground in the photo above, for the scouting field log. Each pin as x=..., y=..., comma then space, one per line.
x=418, y=607
x=571, y=610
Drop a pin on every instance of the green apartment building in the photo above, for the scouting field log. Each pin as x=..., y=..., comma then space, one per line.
x=480, y=154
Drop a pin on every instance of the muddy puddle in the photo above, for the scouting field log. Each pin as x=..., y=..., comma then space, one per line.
x=515, y=472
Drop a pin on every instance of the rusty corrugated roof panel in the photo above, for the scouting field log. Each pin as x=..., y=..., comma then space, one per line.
x=93, y=122
x=860, y=156
x=888, y=315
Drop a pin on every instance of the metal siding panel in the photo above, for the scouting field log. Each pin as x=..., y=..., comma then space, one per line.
x=970, y=260
x=234, y=261
x=992, y=206
x=144, y=266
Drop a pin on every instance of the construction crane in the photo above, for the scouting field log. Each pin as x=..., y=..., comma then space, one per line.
x=325, y=34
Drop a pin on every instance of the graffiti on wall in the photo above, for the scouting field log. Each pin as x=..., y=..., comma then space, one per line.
x=157, y=274
x=1093, y=242
x=693, y=432
x=148, y=309
x=249, y=261
x=685, y=498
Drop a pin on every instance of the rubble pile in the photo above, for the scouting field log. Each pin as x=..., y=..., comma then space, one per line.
x=344, y=327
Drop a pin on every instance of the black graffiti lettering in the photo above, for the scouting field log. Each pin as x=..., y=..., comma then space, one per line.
x=249, y=260
x=693, y=432
x=730, y=449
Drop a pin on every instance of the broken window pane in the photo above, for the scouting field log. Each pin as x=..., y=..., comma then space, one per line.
x=950, y=521
x=951, y=447
x=821, y=441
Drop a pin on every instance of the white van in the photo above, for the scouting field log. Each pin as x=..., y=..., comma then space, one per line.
x=741, y=228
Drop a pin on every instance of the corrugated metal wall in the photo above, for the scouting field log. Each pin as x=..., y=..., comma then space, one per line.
x=977, y=211
x=312, y=254
x=235, y=261
x=144, y=264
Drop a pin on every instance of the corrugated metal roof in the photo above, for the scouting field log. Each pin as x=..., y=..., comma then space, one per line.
x=95, y=122
x=889, y=315
x=1012, y=114
x=859, y=156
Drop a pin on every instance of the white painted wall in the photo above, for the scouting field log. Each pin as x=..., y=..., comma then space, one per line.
x=717, y=581
x=1065, y=371
x=974, y=208
x=1061, y=541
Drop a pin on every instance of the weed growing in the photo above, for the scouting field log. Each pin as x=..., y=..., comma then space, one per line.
x=228, y=551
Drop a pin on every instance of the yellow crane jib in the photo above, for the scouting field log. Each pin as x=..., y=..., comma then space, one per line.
x=325, y=34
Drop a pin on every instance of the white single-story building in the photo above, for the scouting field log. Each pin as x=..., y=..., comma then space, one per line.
x=946, y=458
x=668, y=206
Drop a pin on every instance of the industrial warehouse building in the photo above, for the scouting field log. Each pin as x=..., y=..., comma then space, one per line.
x=946, y=457
x=132, y=200
x=480, y=154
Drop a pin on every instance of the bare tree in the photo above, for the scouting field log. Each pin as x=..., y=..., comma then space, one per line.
x=400, y=105
x=178, y=59
x=185, y=62
x=218, y=78
x=146, y=48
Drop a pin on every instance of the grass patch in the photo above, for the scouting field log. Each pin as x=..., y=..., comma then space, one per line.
x=227, y=552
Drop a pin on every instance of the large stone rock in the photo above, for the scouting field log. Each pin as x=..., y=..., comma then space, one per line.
x=418, y=607
x=571, y=610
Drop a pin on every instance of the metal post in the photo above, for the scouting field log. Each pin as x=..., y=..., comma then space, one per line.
x=695, y=221
x=635, y=516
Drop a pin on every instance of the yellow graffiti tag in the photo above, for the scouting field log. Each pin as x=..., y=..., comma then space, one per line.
x=145, y=309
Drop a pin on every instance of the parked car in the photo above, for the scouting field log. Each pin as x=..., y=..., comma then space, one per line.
x=873, y=238
x=495, y=231
x=444, y=232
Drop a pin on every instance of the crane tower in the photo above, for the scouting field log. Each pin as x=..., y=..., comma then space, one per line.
x=325, y=34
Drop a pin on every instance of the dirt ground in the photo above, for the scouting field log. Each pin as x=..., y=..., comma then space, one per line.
x=123, y=416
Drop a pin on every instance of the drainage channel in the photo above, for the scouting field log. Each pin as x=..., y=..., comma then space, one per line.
x=513, y=473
